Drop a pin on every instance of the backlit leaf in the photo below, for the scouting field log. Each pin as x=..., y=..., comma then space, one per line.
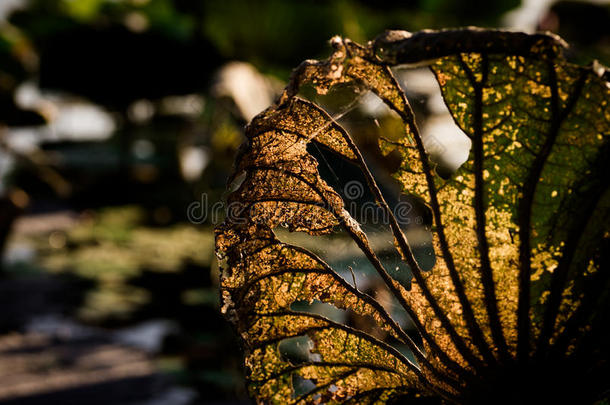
x=517, y=300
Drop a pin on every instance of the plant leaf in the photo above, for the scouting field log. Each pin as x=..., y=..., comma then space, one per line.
x=519, y=231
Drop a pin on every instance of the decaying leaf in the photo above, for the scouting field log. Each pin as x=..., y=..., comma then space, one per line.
x=514, y=309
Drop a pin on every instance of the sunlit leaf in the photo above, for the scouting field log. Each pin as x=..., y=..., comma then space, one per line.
x=517, y=301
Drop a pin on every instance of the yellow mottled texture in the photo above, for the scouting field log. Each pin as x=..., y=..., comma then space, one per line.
x=522, y=224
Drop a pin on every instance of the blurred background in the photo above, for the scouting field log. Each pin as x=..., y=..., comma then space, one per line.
x=119, y=123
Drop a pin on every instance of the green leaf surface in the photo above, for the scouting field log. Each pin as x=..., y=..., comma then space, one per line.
x=518, y=296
